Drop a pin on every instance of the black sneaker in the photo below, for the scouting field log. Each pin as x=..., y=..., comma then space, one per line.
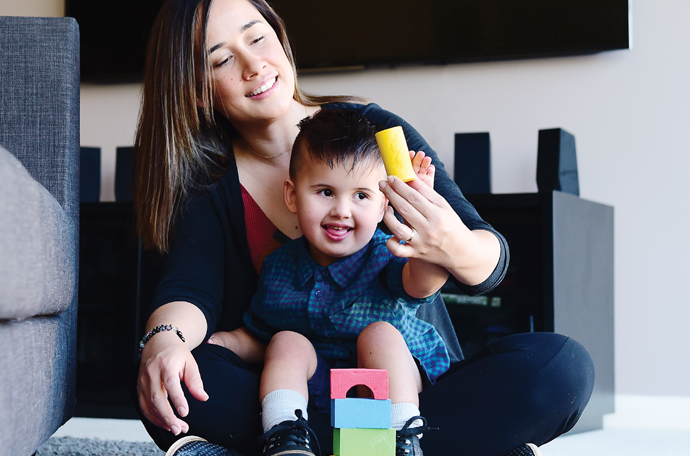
x=290, y=438
x=407, y=438
x=528, y=449
x=196, y=446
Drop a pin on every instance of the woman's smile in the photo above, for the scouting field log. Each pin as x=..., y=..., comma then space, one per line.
x=263, y=89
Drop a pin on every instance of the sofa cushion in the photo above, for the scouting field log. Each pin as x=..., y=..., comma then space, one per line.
x=36, y=245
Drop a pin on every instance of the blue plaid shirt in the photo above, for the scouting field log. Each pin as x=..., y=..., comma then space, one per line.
x=331, y=305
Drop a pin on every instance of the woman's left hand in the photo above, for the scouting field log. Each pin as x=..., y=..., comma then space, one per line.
x=434, y=232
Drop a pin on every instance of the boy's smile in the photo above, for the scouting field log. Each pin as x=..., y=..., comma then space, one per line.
x=338, y=209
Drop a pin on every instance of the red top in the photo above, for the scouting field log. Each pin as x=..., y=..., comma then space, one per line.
x=260, y=231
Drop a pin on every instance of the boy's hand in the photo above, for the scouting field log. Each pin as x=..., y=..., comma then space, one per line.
x=242, y=343
x=423, y=168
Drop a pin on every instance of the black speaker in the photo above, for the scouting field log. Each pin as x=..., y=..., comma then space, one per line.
x=123, y=174
x=473, y=162
x=89, y=174
x=556, y=162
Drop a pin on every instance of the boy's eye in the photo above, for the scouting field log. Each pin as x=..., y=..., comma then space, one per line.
x=327, y=192
x=361, y=196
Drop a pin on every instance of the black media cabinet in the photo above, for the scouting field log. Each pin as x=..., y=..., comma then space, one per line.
x=117, y=279
x=560, y=279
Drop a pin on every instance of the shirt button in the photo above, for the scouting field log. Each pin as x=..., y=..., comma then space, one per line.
x=324, y=272
x=318, y=293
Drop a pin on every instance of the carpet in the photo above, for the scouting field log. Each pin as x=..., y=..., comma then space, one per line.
x=71, y=446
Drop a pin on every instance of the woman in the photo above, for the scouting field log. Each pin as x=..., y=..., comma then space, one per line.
x=219, y=115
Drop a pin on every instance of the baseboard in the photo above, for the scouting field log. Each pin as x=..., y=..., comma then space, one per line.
x=649, y=412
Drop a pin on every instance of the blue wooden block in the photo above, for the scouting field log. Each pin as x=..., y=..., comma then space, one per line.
x=356, y=413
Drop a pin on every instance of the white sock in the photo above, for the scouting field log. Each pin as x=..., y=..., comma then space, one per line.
x=280, y=405
x=403, y=411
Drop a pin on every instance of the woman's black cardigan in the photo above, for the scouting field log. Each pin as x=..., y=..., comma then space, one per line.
x=209, y=264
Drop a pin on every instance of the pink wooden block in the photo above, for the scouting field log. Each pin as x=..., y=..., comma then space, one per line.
x=344, y=379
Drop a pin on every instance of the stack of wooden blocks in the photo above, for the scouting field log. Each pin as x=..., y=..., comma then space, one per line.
x=361, y=427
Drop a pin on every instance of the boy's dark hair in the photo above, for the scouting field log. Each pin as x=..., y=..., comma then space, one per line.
x=334, y=137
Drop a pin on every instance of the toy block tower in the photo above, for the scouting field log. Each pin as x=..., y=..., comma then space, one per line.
x=361, y=427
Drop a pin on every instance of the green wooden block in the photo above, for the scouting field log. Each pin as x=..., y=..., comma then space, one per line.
x=363, y=442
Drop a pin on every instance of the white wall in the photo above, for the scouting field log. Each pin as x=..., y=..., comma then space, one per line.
x=39, y=8
x=629, y=112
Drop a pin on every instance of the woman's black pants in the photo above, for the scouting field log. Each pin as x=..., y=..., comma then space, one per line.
x=518, y=389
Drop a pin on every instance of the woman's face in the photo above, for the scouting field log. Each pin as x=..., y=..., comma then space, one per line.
x=254, y=81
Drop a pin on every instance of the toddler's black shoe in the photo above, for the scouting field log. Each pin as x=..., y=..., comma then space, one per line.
x=290, y=438
x=407, y=438
x=196, y=446
x=528, y=449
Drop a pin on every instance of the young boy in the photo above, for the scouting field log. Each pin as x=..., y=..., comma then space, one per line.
x=337, y=297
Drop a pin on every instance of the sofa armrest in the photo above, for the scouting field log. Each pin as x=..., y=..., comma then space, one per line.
x=39, y=101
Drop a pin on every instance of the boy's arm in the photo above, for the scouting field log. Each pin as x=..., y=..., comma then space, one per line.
x=421, y=279
x=242, y=343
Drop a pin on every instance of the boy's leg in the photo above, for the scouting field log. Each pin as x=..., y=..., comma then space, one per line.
x=290, y=362
x=380, y=345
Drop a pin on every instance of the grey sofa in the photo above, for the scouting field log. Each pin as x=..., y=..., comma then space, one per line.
x=39, y=217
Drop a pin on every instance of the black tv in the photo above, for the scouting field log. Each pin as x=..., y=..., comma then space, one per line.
x=329, y=34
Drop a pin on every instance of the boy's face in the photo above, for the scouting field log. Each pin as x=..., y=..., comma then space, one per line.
x=338, y=210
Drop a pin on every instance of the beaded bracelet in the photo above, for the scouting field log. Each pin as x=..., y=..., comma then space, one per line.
x=156, y=330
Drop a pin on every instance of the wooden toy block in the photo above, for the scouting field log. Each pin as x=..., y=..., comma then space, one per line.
x=361, y=413
x=364, y=442
x=344, y=379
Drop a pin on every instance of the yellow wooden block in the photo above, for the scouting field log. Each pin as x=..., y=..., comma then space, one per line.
x=396, y=155
x=363, y=442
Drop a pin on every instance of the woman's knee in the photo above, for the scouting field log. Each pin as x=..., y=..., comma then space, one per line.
x=552, y=363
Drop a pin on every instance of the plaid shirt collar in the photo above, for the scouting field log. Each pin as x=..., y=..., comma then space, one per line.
x=343, y=271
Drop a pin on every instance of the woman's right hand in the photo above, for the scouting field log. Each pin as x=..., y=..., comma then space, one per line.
x=166, y=361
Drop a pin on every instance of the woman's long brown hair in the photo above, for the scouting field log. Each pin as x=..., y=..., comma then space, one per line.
x=181, y=143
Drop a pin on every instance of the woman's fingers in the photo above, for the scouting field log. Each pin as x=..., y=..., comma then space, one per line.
x=415, y=201
x=400, y=231
x=434, y=220
x=159, y=386
x=192, y=380
x=401, y=250
x=153, y=400
x=145, y=409
x=173, y=387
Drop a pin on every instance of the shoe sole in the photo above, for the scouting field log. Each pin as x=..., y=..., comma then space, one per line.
x=178, y=444
x=534, y=449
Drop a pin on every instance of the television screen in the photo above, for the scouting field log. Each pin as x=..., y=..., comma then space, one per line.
x=113, y=37
x=328, y=34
